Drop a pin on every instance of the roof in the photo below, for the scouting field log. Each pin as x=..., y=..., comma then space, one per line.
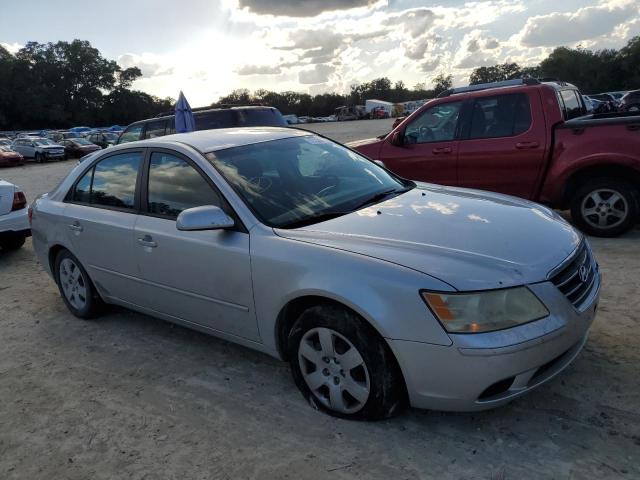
x=219, y=139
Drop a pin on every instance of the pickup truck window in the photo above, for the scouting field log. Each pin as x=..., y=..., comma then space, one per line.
x=571, y=104
x=500, y=116
x=436, y=124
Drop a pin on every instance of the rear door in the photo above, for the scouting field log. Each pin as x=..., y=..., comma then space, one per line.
x=503, y=144
x=430, y=146
x=201, y=277
x=99, y=220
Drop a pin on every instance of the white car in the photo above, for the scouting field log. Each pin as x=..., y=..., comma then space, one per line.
x=14, y=218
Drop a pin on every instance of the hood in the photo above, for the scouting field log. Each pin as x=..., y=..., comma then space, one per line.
x=469, y=239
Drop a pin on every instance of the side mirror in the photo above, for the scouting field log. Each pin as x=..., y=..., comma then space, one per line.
x=206, y=217
x=397, y=138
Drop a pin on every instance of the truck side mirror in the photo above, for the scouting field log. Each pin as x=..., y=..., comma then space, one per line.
x=397, y=138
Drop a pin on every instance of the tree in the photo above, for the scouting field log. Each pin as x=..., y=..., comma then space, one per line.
x=496, y=73
x=441, y=83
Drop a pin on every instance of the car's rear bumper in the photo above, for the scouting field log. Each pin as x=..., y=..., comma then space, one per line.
x=481, y=371
x=15, y=224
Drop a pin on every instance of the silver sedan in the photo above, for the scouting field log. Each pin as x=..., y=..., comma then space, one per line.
x=379, y=291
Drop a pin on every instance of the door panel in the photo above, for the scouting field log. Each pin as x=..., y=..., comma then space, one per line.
x=430, y=146
x=508, y=152
x=202, y=277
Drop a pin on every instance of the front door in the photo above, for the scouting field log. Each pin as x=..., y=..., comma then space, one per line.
x=202, y=277
x=429, y=149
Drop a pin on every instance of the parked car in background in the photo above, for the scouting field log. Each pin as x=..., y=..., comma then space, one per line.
x=589, y=104
x=600, y=106
x=611, y=101
x=14, y=221
x=6, y=142
x=8, y=157
x=379, y=112
x=103, y=139
x=630, y=102
x=211, y=118
x=378, y=278
x=78, y=147
x=40, y=149
x=523, y=138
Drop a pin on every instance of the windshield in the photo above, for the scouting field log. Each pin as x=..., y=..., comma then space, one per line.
x=4, y=148
x=110, y=136
x=297, y=181
x=44, y=141
x=82, y=141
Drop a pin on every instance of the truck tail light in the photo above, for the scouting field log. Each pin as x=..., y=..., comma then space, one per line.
x=30, y=214
x=19, y=201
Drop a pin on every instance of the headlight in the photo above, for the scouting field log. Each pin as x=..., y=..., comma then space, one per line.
x=485, y=311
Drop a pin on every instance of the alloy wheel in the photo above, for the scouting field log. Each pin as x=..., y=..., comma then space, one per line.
x=334, y=370
x=604, y=208
x=73, y=283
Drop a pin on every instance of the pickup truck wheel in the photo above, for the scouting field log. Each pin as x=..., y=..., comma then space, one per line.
x=343, y=367
x=605, y=207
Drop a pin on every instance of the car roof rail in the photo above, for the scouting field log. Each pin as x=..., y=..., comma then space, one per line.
x=215, y=106
x=485, y=86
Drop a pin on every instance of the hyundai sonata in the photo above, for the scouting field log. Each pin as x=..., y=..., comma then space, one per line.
x=379, y=291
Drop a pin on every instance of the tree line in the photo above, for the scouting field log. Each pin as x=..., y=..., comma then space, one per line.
x=65, y=84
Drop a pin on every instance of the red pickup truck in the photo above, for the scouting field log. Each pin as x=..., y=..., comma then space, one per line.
x=526, y=138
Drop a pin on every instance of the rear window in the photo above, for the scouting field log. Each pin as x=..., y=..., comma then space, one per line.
x=571, y=104
x=131, y=134
x=260, y=117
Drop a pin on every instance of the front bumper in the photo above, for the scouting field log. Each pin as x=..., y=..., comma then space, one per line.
x=481, y=371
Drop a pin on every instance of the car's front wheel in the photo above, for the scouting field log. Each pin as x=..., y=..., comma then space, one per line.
x=12, y=243
x=75, y=286
x=605, y=207
x=343, y=367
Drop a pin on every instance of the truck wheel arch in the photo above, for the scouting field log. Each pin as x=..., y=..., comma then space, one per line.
x=608, y=170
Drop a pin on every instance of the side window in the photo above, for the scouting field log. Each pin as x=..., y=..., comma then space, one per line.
x=500, y=116
x=114, y=180
x=82, y=192
x=155, y=129
x=174, y=186
x=215, y=119
x=131, y=134
x=572, y=104
x=436, y=124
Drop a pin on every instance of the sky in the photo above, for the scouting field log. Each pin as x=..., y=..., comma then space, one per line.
x=207, y=48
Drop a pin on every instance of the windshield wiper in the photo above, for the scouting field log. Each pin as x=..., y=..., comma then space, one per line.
x=380, y=196
x=316, y=218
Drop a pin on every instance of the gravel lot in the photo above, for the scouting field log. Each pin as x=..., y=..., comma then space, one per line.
x=129, y=396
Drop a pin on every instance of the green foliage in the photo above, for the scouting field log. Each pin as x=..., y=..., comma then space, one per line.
x=59, y=85
x=591, y=71
x=441, y=83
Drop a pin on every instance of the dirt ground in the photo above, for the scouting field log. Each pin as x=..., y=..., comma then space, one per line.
x=129, y=396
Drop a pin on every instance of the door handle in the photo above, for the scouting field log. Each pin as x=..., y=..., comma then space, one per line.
x=76, y=227
x=147, y=241
x=439, y=150
x=524, y=145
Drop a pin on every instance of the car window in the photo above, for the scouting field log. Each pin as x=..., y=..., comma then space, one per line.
x=82, y=191
x=174, y=186
x=572, y=105
x=114, y=180
x=131, y=134
x=155, y=128
x=215, y=119
x=436, y=124
x=500, y=116
x=263, y=117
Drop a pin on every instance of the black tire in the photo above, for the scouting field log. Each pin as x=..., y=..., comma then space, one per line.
x=583, y=202
x=93, y=304
x=12, y=243
x=387, y=392
x=38, y=158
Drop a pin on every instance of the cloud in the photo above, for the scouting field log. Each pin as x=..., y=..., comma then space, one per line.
x=11, y=47
x=147, y=66
x=416, y=50
x=319, y=74
x=474, y=60
x=300, y=8
x=428, y=66
x=567, y=28
x=414, y=22
x=259, y=70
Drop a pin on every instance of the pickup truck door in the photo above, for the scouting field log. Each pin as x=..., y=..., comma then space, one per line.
x=503, y=144
x=429, y=146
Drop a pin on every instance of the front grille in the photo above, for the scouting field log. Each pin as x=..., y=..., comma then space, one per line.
x=577, y=277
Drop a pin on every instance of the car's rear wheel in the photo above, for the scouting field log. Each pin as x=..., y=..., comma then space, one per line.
x=38, y=158
x=605, y=207
x=75, y=286
x=12, y=243
x=342, y=366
